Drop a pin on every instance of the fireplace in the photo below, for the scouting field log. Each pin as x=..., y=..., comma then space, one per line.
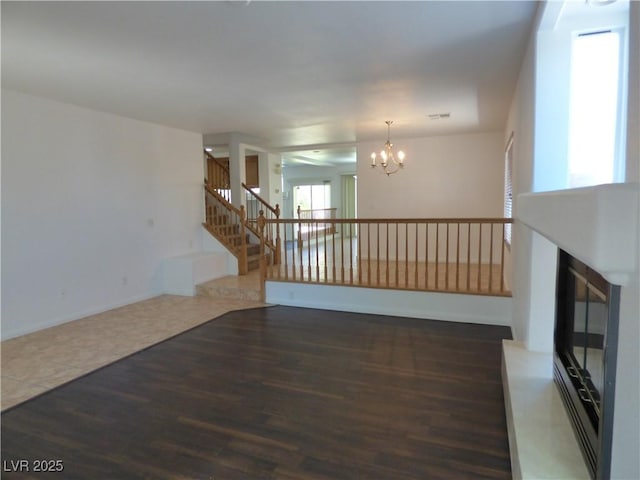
x=585, y=353
x=599, y=226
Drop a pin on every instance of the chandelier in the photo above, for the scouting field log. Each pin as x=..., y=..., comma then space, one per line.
x=389, y=161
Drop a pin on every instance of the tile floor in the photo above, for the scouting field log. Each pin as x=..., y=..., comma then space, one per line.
x=34, y=363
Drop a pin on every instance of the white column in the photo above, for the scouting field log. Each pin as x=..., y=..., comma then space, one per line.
x=237, y=171
x=270, y=173
x=264, y=178
x=541, y=319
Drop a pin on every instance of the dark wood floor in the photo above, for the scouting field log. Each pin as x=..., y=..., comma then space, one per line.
x=283, y=393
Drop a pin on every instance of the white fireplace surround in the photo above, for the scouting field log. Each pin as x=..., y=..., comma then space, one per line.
x=600, y=226
x=597, y=225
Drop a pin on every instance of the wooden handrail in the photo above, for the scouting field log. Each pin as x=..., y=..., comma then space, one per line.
x=228, y=204
x=218, y=176
x=222, y=166
x=392, y=220
x=275, y=210
x=465, y=255
x=227, y=223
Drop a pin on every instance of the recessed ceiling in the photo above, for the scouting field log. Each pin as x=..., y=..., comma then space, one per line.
x=334, y=156
x=291, y=73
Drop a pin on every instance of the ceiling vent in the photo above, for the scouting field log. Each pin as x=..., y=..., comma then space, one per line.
x=438, y=116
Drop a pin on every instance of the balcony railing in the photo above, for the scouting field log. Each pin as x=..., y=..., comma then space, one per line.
x=309, y=230
x=465, y=255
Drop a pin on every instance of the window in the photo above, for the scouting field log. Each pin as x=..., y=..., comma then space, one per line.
x=314, y=202
x=594, y=109
x=508, y=188
x=312, y=197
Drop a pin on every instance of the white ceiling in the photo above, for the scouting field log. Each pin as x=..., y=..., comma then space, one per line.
x=291, y=73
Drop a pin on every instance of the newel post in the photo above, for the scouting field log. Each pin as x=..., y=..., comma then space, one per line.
x=208, y=214
x=263, y=264
x=276, y=259
x=243, y=261
x=299, y=230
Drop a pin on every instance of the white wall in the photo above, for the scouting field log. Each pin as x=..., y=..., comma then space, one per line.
x=451, y=307
x=444, y=176
x=553, y=87
x=539, y=119
x=91, y=205
x=520, y=123
x=540, y=144
x=553, y=63
x=529, y=288
x=544, y=164
x=457, y=176
x=633, y=102
x=626, y=423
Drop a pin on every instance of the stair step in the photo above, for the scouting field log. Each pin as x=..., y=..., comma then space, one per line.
x=233, y=238
x=253, y=261
x=231, y=229
x=253, y=249
x=240, y=288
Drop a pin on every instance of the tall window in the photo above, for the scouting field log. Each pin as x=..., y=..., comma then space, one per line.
x=312, y=197
x=594, y=108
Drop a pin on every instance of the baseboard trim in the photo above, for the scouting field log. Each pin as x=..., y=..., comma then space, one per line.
x=8, y=334
x=454, y=307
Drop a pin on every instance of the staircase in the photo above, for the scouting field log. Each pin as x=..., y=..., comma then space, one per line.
x=232, y=226
x=226, y=224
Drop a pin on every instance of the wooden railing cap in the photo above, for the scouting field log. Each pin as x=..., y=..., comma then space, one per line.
x=259, y=198
x=392, y=220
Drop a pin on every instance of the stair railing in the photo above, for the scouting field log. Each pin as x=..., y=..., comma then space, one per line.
x=257, y=206
x=227, y=224
x=218, y=199
x=218, y=177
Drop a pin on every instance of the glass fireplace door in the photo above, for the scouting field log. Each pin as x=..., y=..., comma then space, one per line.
x=586, y=337
x=586, y=356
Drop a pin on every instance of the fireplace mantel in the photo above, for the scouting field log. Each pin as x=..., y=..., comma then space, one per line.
x=598, y=225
